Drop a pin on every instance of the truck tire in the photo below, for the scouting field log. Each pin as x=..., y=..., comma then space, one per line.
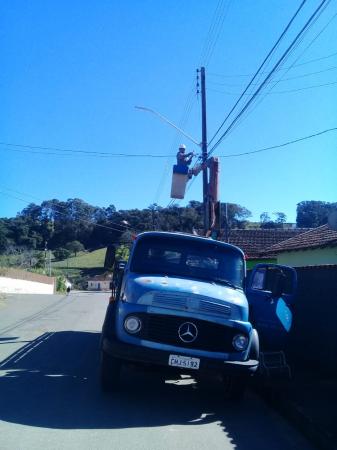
x=110, y=372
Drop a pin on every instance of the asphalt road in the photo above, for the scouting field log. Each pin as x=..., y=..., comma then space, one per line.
x=50, y=396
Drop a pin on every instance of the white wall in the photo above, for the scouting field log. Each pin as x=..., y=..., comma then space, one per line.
x=13, y=286
x=93, y=285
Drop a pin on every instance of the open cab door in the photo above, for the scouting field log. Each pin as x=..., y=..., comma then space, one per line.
x=270, y=292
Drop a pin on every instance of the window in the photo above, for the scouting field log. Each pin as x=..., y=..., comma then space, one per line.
x=189, y=258
x=265, y=279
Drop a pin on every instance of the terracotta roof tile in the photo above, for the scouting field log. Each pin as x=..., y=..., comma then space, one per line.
x=322, y=236
x=255, y=242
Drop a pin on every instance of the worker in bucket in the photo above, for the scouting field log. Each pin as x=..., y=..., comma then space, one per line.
x=184, y=159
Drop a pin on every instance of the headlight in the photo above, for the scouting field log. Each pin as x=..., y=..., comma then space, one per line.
x=240, y=342
x=132, y=324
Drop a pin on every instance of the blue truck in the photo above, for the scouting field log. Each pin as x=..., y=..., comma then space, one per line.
x=184, y=304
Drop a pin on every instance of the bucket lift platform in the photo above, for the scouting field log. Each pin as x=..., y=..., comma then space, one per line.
x=180, y=177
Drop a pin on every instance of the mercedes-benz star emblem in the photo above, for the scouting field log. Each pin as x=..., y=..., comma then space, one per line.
x=188, y=332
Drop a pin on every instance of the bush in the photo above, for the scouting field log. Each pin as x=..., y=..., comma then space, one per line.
x=60, y=284
x=61, y=253
x=74, y=247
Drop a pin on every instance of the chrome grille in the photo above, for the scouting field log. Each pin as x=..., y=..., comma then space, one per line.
x=190, y=302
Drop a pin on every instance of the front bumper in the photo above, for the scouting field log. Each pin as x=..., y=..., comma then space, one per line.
x=145, y=355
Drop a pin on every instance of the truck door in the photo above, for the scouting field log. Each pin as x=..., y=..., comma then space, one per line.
x=270, y=293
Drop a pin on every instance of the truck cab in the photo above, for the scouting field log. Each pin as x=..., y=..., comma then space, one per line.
x=181, y=305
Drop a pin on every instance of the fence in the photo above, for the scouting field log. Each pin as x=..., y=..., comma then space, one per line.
x=313, y=340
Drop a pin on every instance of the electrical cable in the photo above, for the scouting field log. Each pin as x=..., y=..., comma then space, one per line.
x=210, y=43
x=279, y=62
x=284, y=144
x=287, y=91
x=271, y=51
x=284, y=68
x=250, y=110
x=281, y=80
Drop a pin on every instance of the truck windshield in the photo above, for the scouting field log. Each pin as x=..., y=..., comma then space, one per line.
x=189, y=259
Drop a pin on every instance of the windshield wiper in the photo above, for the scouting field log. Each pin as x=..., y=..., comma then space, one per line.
x=225, y=282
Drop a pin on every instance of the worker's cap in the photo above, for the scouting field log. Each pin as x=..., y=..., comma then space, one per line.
x=182, y=147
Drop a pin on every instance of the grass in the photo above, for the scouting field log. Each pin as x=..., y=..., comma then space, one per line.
x=84, y=260
x=78, y=268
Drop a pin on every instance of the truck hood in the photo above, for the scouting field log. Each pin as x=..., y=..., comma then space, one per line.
x=192, y=295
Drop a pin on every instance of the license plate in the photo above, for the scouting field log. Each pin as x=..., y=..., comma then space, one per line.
x=185, y=362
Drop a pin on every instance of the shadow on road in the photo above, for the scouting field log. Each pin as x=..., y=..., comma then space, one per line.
x=53, y=382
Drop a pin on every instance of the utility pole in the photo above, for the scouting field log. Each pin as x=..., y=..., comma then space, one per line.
x=50, y=263
x=204, y=150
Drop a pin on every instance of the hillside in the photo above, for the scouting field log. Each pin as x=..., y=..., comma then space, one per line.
x=79, y=268
x=84, y=260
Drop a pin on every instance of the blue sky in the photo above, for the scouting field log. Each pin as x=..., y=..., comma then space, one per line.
x=72, y=73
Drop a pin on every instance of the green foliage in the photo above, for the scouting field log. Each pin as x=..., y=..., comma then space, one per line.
x=59, y=225
x=61, y=253
x=312, y=214
x=267, y=222
x=122, y=253
x=40, y=260
x=280, y=217
x=74, y=247
x=61, y=284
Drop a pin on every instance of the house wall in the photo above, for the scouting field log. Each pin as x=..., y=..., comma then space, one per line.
x=103, y=285
x=310, y=257
x=250, y=263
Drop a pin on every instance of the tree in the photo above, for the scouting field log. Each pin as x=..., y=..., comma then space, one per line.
x=122, y=253
x=280, y=217
x=312, y=213
x=74, y=247
x=61, y=253
x=234, y=216
x=266, y=221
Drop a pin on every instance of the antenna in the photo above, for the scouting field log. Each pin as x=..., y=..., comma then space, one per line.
x=332, y=220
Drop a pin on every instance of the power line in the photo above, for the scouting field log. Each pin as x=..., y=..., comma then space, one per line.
x=259, y=69
x=279, y=62
x=284, y=68
x=93, y=154
x=81, y=152
x=281, y=92
x=183, y=121
x=282, y=79
x=214, y=31
x=221, y=14
x=293, y=64
x=294, y=141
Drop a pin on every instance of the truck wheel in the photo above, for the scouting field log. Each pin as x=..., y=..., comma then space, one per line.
x=234, y=387
x=110, y=372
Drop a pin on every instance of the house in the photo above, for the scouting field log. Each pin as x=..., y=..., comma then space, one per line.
x=315, y=247
x=100, y=282
x=255, y=242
